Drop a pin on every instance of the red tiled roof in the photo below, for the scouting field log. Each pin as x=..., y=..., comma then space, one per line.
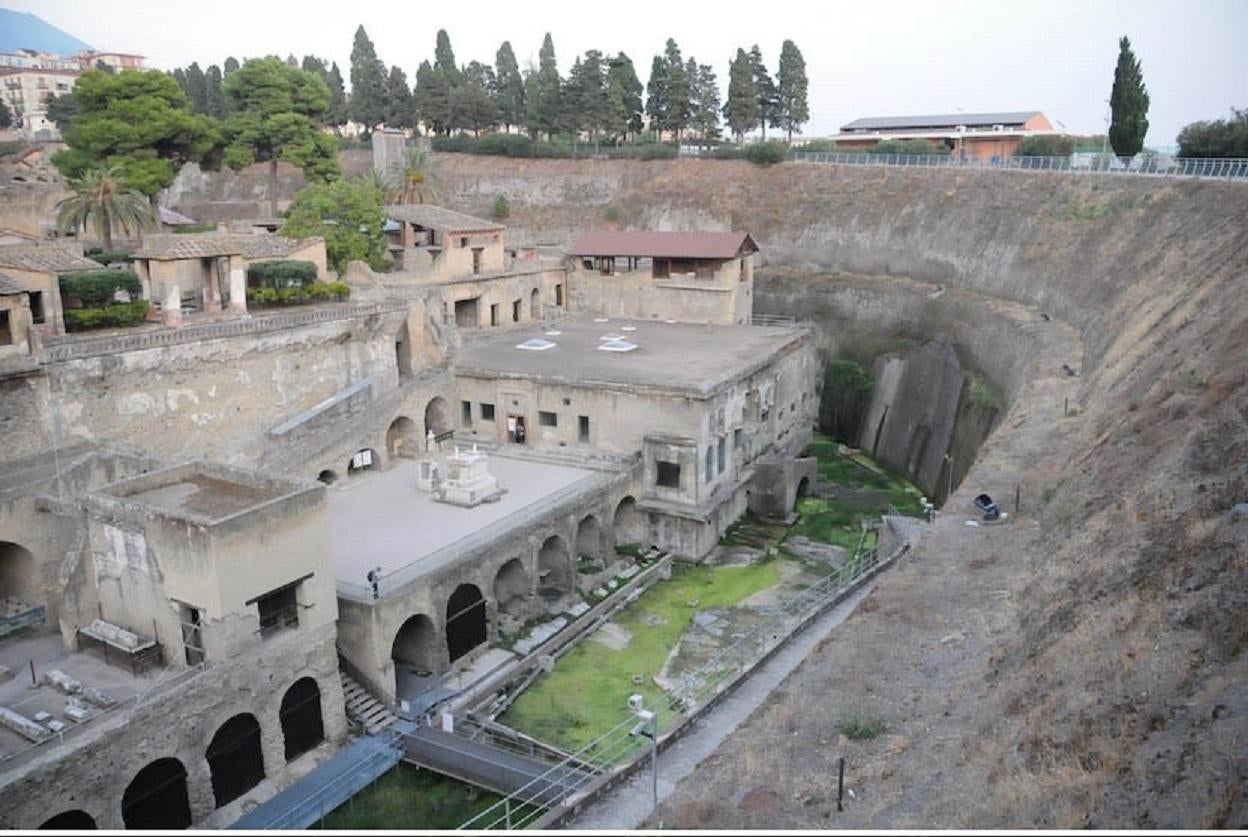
x=667, y=245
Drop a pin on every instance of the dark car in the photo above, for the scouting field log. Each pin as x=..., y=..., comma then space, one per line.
x=988, y=506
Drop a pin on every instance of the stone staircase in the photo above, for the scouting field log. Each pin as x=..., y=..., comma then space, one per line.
x=365, y=710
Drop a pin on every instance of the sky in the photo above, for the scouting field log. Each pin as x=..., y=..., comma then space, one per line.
x=862, y=58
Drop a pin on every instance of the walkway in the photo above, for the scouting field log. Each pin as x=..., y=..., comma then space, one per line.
x=328, y=786
x=492, y=767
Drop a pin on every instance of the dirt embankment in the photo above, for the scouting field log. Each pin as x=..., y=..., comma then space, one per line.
x=1086, y=664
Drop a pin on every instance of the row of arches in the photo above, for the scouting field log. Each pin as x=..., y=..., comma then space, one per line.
x=417, y=646
x=158, y=796
x=403, y=438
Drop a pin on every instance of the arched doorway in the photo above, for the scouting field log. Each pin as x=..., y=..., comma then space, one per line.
x=415, y=651
x=535, y=305
x=302, y=728
x=363, y=460
x=235, y=759
x=628, y=523
x=511, y=587
x=70, y=821
x=156, y=797
x=803, y=489
x=589, y=538
x=402, y=438
x=554, y=569
x=437, y=416
x=18, y=577
x=465, y=620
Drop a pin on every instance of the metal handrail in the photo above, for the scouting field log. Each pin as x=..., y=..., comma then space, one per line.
x=1149, y=165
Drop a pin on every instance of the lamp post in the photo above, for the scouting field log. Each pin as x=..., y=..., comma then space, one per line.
x=648, y=727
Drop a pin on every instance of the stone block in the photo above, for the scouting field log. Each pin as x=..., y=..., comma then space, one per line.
x=62, y=682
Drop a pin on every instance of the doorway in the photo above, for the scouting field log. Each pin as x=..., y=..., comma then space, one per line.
x=515, y=429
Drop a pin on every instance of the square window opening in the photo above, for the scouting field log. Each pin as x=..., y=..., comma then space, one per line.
x=546, y=419
x=279, y=610
x=666, y=474
x=487, y=411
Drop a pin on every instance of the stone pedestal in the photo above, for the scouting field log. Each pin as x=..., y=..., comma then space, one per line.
x=171, y=308
x=467, y=480
x=238, y=290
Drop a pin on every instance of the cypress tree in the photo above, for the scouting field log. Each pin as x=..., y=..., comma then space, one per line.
x=196, y=89
x=338, y=111
x=1128, y=104
x=532, y=102
x=549, y=88
x=508, y=86
x=791, y=89
x=679, y=90
x=230, y=65
x=398, y=100
x=765, y=89
x=656, y=95
x=214, y=92
x=433, y=98
x=368, y=83
x=741, y=111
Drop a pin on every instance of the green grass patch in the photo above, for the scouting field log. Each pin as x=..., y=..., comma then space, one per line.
x=408, y=798
x=587, y=693
x=861, y=727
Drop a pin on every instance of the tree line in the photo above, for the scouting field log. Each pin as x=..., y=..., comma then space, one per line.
x=601, y=98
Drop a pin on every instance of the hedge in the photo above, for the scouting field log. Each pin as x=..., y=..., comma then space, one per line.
x=122, y=314
x=95, y=288
x=107, y=257
x=285, y=273
x=767, y=153
x=521, y=145
x=317, y=291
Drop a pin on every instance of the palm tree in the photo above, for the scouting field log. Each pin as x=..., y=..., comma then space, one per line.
x=99, y=199
x=412, y=181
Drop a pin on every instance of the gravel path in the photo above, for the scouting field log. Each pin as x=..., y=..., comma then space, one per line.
x=627, y=805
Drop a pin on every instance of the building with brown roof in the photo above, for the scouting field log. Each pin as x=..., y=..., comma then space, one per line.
x=687, y=276
x=980, y=136
x=15, y=324
x=37, y=269
x=440, y=243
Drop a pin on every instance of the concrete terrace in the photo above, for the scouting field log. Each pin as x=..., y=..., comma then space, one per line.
x=678, y=356
x=380, y=519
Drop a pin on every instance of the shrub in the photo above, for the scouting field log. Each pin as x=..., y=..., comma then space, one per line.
x=297, y=294
x=95, y=288
x=283, y=273
x=726, y=152
x=657, y=151
x=1046, y=146
x=107, y=257
x=507, y=145
x=861, y=727
x=910, y=146
x=119, y=315
x=767, y=153
x=502, y=209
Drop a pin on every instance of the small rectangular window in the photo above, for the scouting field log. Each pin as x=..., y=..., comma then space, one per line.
x=278, y=610
x=37, y=314
x=546, y=419
x=723, y=452
x=666, y=474
x=494, y=314
x=6, y=333
x=582, y=430
x=487, y=411
x=559, y=295
x=465, y=408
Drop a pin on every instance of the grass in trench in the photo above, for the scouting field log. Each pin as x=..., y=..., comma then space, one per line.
x=407, y=798
x=587, y=693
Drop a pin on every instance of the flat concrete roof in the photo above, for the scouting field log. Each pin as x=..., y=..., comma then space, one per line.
x=381, y=519
x=202, y=495
x=678, y=356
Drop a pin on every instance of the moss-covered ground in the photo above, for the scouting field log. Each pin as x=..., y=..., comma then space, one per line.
x=407, y=798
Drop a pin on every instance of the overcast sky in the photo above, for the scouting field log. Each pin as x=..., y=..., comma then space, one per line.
x=862, y=58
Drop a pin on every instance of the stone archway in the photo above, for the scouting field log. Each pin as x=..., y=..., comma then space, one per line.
x=555, y=576
x=511, y=588
x=76, y=820
x=300, y=716
x=235, y=758
x=19, y=583
x=589, y=537
x=415, y=647
x=437, y=416
x=156, y=797
x=465, y=621
x=628, y=523
x=402, y=439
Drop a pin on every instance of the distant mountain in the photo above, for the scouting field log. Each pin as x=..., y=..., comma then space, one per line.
x=22, y=30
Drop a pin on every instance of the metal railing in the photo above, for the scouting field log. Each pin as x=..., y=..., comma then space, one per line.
x=1228, y=168
x=25, y=619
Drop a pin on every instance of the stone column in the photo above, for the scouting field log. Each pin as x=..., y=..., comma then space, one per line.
x=171, y=313
x=212, y=288
x=198, y=785
x=238, y=287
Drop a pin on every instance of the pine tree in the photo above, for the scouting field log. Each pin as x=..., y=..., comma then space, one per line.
x=706, y=110
x=509, y=86
x=444, y=57
x=368, y=83
x=1128, y=104
x=312, y=64
x=765, y=90
x=477, y=106
x=292, y=61
x=679, y=105
x=214, y=92
x=230, y=65
x=741, y=111
x=339, y=111
x=793, y=110
x=549, y=89
x=433, y=98
x=398, y=100
x=656, y=95
x=624, y=109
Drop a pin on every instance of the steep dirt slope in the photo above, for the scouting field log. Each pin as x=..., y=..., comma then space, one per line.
x=1087, y=666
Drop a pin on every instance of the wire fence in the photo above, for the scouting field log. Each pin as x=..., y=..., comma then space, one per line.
x=1152, y=165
